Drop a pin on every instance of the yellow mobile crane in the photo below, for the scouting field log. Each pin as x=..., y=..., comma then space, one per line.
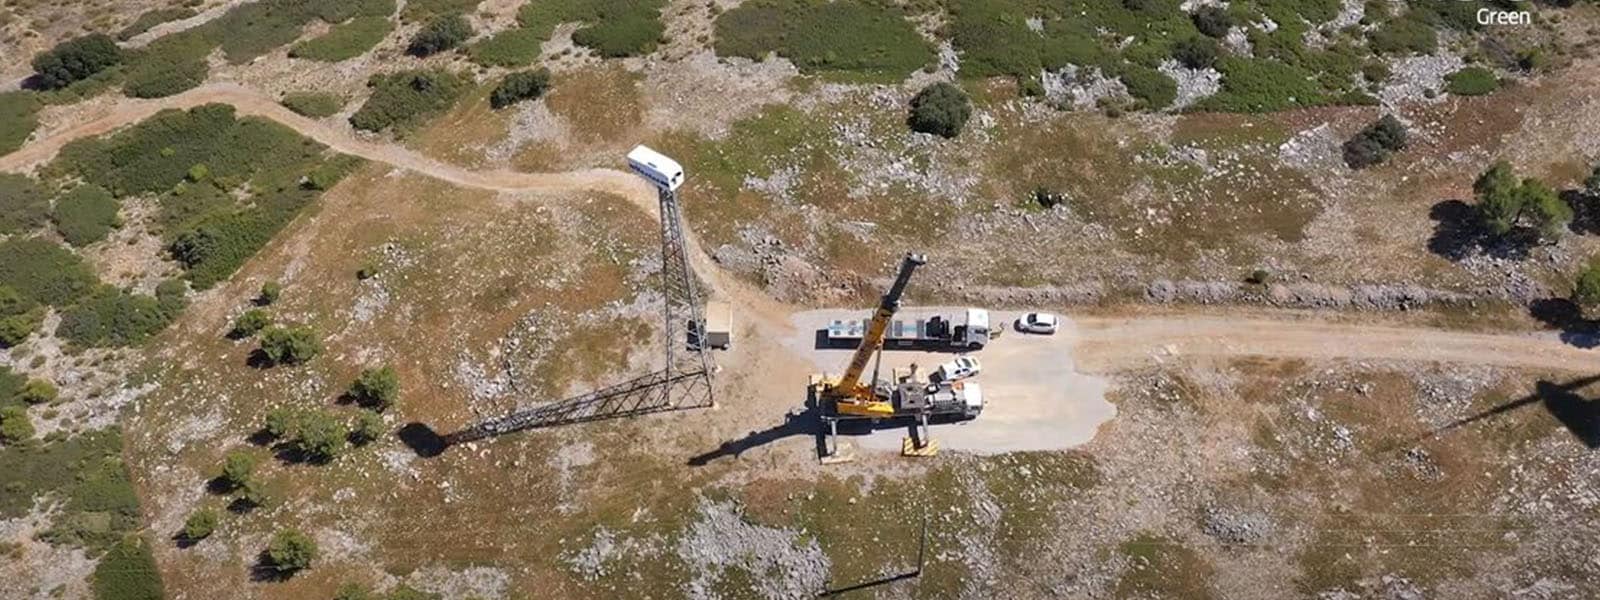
x=848, y=397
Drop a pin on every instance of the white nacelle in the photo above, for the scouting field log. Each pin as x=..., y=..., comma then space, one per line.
x=666, y=173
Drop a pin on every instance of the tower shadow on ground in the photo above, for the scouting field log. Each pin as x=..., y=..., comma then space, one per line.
x=1579, y=415
x=655, y=392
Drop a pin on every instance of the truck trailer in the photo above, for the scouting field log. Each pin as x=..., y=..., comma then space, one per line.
x=967, y=329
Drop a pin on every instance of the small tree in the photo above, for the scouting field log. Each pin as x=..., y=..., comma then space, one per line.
x=1543, y=208
x=282, y=423
x=1196, y=52
x=321, y=436
x=941, y=109
x=368, y=427
x=1499, y=204
x=440, y=34
x=520, y=86
x=15, y=426
x=269, y=293
x=376, y=388
x=254, y=495
x=76, y=59
x=1586, y=290
x=249, y=323
x=237, y=467
x=290, y=345
x=1375, y=143
x=199, y=525
x=38, y=391
x=291, y=551
x=1212, y=20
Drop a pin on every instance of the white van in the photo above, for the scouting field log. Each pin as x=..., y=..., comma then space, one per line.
x=666, y=173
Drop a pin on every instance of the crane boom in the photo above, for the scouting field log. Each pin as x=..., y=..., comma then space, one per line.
x=853, y=396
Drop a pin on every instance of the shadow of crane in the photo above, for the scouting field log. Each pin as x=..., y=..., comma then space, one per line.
x=1579, y=415
x=658, y=391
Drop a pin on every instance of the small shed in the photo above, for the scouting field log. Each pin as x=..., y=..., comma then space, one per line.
x=719, y=325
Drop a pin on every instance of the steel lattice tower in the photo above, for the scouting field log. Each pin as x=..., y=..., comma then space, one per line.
x=687, y=363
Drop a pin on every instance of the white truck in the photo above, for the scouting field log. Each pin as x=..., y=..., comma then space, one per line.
x=939, y=400
x=967, y=329
x=664, y=172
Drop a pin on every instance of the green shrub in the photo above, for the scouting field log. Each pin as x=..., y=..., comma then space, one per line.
x=612, y=27
x=1586, y=290
x=1196, y=52
x=1472, y=81
x=282, y=423
x=152, y=18
x=200, y=524
x=1263, y=85
x=291, y=551
x=320, y=436
x=1213, y=20
x=406, y=98
x=24, y=205
x=75, y=59
x=345, y=41
x=38, y=391
x=44, y=272
x=520, y=86
x=113, y=318
x=172, y=296
x=85, y=214
x=509, y=48
x=101, y=507
x=28, y=472
x=237, y=468
x=169, y=65
x=19, y=318
x=440, y=34
x=339, y=12
x=368, y=427
x=376, y=388
x=15, y=426
x=248, y=323
x=1152, y=88
x=314, y=104
x=19, y=116
x=128, y=572
x=270, y=291
x=1375, y=143
x=290, y=345
x=1403, y=35
x=422, y=10
x=941, y=109
x=209, y=232
x=871, y=39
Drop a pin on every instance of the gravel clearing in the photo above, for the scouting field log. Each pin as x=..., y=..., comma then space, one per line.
x=783, y=563
x=1413, y=78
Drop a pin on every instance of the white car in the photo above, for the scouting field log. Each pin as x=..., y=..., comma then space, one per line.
x=960, y=368
x=1038, y=323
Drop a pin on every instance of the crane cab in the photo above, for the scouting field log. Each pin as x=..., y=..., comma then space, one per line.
x=664, y=172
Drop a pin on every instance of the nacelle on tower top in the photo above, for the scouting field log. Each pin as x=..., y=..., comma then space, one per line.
x=666, y=173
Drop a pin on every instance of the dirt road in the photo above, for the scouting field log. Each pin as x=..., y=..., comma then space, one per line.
x=1103, y=344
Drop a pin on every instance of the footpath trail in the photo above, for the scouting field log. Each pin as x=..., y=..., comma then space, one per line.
x=1104, y=344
